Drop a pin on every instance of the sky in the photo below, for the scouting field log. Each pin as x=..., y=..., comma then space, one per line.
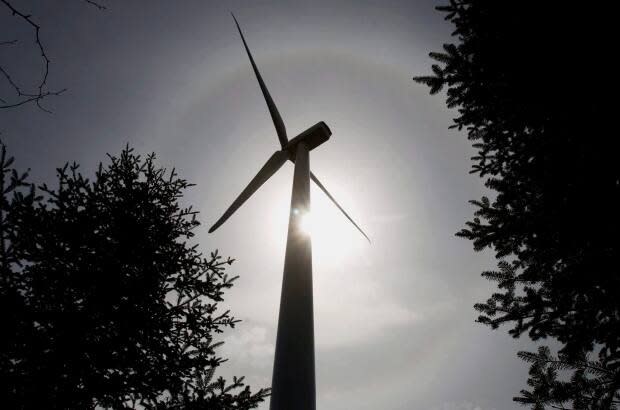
x=394, y=320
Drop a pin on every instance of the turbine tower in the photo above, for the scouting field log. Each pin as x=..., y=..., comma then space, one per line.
x=293, y=382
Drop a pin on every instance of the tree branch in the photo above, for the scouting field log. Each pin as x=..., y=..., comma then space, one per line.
x=94, y=3
x=37, y=30
x=36, y=99
x=42, y=92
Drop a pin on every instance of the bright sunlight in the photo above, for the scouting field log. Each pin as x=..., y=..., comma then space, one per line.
x=334, y=238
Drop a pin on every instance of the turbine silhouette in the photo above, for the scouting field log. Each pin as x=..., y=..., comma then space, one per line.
x=293, y=382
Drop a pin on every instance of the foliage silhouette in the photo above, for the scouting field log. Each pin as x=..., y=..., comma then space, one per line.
x=531, y=93
x=107, y=304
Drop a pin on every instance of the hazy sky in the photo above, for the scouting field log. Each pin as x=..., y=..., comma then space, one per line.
x=394, y=322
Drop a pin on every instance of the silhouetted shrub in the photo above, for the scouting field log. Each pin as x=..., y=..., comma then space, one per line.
x=105, y=301
x=528, y=80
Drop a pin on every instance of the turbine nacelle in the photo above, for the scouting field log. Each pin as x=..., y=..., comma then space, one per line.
x=312, y=138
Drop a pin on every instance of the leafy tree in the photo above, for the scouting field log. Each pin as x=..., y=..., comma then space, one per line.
x=528, y=80
x=105, y=301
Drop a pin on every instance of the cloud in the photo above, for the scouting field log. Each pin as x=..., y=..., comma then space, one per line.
x=251, y=345
x=390, y=217
x=351, y=307
x=464, y=405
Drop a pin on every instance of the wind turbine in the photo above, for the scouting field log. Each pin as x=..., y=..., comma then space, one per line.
x=293, y=382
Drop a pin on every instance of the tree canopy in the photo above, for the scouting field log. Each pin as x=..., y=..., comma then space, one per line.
x=106, y=302
x=528, y=81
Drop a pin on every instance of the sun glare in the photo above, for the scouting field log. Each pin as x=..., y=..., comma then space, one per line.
x=306, y=223
x=335, y=241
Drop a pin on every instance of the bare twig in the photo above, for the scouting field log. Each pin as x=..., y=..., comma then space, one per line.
x=36, y=99
x=26, y=97
x=37, y=29
x=43, y=92
x=94, y=3
x=10, y=80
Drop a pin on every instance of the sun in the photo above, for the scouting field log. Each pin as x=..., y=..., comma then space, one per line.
x=334, y=239
x=306, y=223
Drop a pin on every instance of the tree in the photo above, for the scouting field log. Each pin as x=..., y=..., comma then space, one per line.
x=528, y=80
x=106, y=302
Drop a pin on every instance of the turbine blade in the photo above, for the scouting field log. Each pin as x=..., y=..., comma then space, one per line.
x=271, y=166
x=316, y=181
x=275, y=115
